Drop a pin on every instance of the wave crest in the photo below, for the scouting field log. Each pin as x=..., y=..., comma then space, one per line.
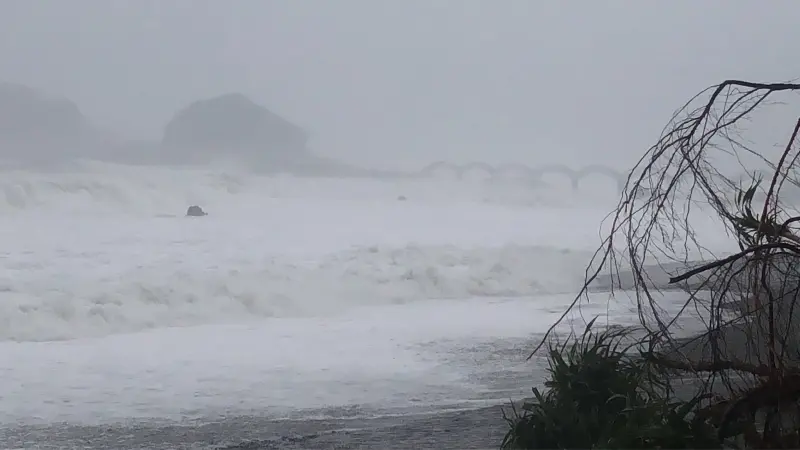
x=33, y=308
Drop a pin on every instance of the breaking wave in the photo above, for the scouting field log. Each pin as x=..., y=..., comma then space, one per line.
x=94, y=187
x=38, y=303
x=97, y=249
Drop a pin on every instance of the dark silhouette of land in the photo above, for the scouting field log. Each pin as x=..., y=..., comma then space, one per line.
x=39, y=130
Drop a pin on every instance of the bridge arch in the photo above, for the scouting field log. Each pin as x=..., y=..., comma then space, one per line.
x=559, y=169
x=430, y=169
x=619, y=177
x=535, y=174
x=476, y=166
x=515, y=168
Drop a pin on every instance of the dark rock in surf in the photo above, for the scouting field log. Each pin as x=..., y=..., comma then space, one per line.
x=195, y=211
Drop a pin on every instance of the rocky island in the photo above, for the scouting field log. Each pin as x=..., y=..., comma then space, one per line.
x=38, y=129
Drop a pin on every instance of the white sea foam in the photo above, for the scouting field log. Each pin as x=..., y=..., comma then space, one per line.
x=87, y=295
x=104, y=250
x=385, y=357
x=92, y=187
x=291, y=293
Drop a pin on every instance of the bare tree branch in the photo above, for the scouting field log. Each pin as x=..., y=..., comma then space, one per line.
x=682, y=174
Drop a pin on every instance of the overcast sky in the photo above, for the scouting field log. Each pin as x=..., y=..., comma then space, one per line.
x=406, y=82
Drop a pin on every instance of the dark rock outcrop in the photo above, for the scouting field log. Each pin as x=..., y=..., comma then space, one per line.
x=195, y=211
x=233, y=126
x=38, y=127
x=38, y=130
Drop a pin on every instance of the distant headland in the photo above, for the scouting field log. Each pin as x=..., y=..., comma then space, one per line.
x=38, y=130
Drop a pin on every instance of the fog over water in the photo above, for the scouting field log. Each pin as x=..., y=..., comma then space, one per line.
x=333, y=275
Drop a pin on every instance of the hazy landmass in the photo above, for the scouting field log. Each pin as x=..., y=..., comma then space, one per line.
x=38, y=129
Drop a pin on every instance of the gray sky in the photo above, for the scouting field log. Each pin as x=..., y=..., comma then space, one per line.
x=406, y=82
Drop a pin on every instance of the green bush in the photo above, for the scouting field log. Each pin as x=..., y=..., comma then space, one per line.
x=601, y=394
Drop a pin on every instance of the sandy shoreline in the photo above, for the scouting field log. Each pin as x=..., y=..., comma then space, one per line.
x=466, y=429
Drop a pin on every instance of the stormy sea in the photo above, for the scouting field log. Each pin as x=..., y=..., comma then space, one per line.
x=299, y=313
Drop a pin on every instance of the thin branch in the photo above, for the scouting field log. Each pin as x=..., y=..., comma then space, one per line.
x=681, y=171
x=717, y=366
x=730, y=259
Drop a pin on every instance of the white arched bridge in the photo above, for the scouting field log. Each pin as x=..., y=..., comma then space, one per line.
x=534, y=174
